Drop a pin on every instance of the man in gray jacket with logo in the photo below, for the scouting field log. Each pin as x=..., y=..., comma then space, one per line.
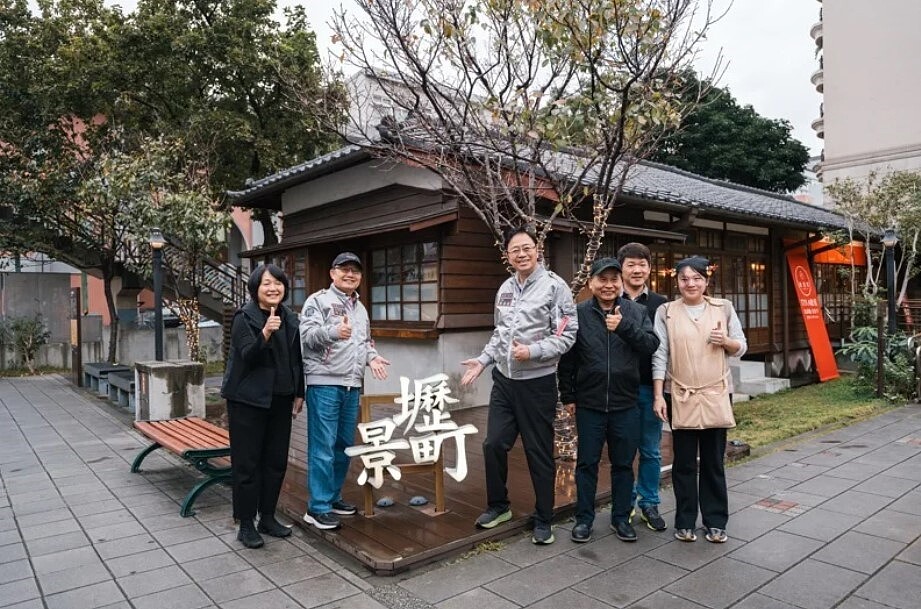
x=336, y=345
x=535, y=325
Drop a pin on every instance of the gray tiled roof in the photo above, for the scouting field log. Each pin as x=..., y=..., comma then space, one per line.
x=647, y=181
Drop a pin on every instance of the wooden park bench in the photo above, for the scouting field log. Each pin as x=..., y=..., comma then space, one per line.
x=121, y=388
x=205, y=446
x=96, y=375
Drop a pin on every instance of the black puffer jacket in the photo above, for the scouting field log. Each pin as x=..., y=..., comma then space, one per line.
x=602, y=370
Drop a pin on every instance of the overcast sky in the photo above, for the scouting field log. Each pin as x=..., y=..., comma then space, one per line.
x=765, y=44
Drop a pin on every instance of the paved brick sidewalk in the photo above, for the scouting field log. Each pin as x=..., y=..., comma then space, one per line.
x=831, y=522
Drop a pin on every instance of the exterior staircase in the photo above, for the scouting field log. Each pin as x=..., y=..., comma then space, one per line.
x=749, y=380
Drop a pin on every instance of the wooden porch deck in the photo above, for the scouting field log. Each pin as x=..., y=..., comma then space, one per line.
x=400, y=537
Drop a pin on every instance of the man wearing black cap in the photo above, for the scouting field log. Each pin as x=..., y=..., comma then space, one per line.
x=600, y=378
x=336, y=345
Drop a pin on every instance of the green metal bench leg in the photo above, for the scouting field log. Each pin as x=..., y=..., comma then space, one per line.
x=186, y=510
x=136, y=466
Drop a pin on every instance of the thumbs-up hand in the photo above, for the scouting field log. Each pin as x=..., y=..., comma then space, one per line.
x=717, y=336
x=272, y=323
x=345, y=328
x=520, y=352
x=612, y=319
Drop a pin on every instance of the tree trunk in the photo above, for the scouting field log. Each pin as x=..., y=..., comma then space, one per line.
x=264, y=217
x=107, y=276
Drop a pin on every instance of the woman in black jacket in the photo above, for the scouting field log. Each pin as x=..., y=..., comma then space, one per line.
x=264, y=389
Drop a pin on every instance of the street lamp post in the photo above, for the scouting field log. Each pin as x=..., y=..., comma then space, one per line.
x=889, y=242
x=156, y=243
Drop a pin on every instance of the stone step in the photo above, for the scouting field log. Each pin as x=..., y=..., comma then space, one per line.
x=762, y=385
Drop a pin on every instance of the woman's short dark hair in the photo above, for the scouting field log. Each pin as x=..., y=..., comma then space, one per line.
x=634, y=250
x=255, y=278
x=519, y=230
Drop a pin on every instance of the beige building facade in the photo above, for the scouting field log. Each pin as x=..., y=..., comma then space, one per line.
x=869, y=74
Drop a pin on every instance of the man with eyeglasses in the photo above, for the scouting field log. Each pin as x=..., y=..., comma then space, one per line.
x=336, y=345
x=535, y=325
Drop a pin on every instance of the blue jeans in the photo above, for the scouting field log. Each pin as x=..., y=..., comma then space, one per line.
x=647, y=476
x=332, y=415
x=619, y=430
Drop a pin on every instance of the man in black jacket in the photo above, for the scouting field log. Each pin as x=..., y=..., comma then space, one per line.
x=599, y=377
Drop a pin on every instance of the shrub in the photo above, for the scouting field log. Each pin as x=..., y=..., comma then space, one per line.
x=26, y=334
x=898, y=363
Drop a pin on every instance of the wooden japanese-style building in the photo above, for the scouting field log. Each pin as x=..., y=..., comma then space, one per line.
x=432, y=269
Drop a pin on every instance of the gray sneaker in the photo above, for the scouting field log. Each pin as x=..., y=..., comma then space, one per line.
x=543, y=534
x=493, y=517
x=651, y=517
x=327, y=521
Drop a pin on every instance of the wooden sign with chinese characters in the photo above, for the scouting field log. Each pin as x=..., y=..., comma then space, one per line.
x=811, y=310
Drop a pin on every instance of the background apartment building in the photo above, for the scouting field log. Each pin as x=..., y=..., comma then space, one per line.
x=869, y=56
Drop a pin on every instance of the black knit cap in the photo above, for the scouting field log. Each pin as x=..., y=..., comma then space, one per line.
x=697, y=263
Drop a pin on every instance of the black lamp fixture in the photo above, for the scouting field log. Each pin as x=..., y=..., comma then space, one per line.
x=890, y=240
x=156, y=244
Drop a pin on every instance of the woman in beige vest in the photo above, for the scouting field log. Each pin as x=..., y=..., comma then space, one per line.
x=692, y=390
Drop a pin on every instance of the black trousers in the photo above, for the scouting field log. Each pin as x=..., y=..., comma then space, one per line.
x=702, y=488
x=527, y=407
x=259, y=439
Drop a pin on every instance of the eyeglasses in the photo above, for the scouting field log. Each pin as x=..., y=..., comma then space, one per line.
x=345, y=270
x=524, y=249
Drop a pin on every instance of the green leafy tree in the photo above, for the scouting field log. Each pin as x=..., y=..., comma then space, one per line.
x=724, y=140
x=526, y=109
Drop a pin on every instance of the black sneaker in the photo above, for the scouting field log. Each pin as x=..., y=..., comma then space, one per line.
x=493, y=517
x=326, y=521
x=624, y=531
x=270, y=526
x=581, y=533
x=248, y=535
x=650, y=516
x=344, y=509
x=543, y=534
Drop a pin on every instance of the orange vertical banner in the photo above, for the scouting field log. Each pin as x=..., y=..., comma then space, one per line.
x=812, y=314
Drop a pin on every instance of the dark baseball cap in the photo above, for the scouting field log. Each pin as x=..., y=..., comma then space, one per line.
x=347, y=258
x=599, y=266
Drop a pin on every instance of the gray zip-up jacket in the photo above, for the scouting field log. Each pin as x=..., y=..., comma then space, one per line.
x=540, y=314
x=327, y=359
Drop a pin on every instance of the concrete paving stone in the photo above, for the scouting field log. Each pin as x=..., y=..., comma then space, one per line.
x=135, y=490
x=909, y=503
x=802, y=500
x=539, y=581
x=105, y=506
x=155, y=580
x=753, y=522
x=35, y=603
x=830, y=457
x=12, y=571
x=454, y=578
x=852, y=470
x=759, y=601
x=739, y=501
x=49, y=563
x=292, y=570
x=859, y=552
x=75, y=577
x=201, y=548
x=82, y=489
x=187, y=532
x=87, y=597
x=912, y=553
x=320, y=590
x=855, y=602
x=139, y=563
x=274, y=551
x=764, y=485
x=824, y=486
x=49, y=545
x=125, y=546
x=18, y=591
x=799, y=471
x=33, y=496
x=736, y=580
x=887, y=486
x=746, y=471
x=856, y=503
x=10, y=535
x=520, y=551
x=609, y=551
x=821, y=524
x=69, y=482
x=898, y=584
x=691, y=556
x=95, y=521
x=53, y=513
x=479, y=598
x=84, y=498
x=8, y=524
x=776, y=550
x=783, y=457
x=910, y=470
x=665, y=600
x=891, y=454
x=49, y=529
x=273, y=599
x=236, y=585
x=570, y=599
x=814, y=585
x=890, y=524
x=189, y=596
x=115, y=531
x=359, y=601
x=635, y=579
x=215, y=566
x=166, y=506
x=170, y=520
x=12, y=552
x=155, y=498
